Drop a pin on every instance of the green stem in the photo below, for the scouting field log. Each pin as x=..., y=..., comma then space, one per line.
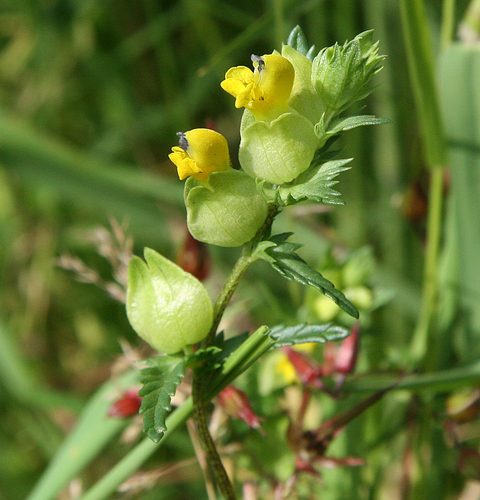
x=448, y=23
x=236, y=275
x=256, y=345
x=430, y=288
x=131, y=462
x=213, y=458
x=225, y=295
x=422, y=72
x=199, y=391
x=440, y=381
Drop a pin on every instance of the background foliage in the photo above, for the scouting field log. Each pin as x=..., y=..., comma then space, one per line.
x=91, y=95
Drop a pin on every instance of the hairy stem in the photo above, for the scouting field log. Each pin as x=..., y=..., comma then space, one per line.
x=236, y=275
x=214, y=460
x=202, y=459
x=199, y=391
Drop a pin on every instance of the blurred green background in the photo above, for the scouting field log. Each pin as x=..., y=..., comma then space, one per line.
x=91, y=95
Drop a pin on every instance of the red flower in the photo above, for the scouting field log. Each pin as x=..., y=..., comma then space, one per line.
x=236, y=404
x=126, y=406
x=309, y=372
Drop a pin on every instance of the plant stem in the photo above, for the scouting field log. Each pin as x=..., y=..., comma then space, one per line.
x=430, y=288
x=238, y=271
x=199, y=391
x=214, y=460
x=202, y=459
x=435, y=382
x=226, y=293
x=198, y=386
x=422, y=72
x=448, y=23
x=130, y=463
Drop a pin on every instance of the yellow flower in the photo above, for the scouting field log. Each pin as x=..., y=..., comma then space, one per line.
x=201, y=152
x=286, y=368
x=264, y=91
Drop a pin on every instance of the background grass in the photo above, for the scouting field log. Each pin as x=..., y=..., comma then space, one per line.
x=91, y=95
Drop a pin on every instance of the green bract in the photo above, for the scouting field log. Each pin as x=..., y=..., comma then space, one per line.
x=278, y=151
x=340, y=74
x=230, y=213
x=166, y=306
x=303, y=97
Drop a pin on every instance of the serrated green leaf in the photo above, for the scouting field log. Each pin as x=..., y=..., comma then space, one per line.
x=159, y=385
x=205, y=358
x=340, y=74
x=161, y=379
x=260, y=253
x=304, y=333
x=294, y=268
x=315, y=185
x=355, y=121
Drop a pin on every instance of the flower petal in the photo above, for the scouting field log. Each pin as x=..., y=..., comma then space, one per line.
x=233, y=86
x=241, y=73
x=189, y=167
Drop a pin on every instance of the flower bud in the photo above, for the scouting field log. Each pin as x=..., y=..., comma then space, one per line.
x=309, y=372
x=340, y=74
x=236, y=404
x=166, y=306
x=347, y=353
x=127, y=406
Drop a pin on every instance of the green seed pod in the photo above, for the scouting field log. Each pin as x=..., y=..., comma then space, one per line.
x=230, y=213
x=166, y=306
x=279, y=151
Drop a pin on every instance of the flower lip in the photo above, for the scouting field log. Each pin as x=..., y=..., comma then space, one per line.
x=182, y=140
x=264, y=91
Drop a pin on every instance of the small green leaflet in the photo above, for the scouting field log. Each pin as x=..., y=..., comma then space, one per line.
x=355, y=121
x=285, y=336
x=315, y=184
x=159, y=385
x=345, y=124
x=294, y=268
x=160, y=382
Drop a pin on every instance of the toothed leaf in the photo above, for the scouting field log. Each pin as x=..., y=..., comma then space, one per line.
x=300, y=334
x=315, y=185
x=294, y=268
x=159, y=385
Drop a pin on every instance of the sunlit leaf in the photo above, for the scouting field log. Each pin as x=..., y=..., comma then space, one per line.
x=304, y=333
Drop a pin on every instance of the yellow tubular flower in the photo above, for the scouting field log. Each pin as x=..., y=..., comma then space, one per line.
x=201, y=152
x=264, y=91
